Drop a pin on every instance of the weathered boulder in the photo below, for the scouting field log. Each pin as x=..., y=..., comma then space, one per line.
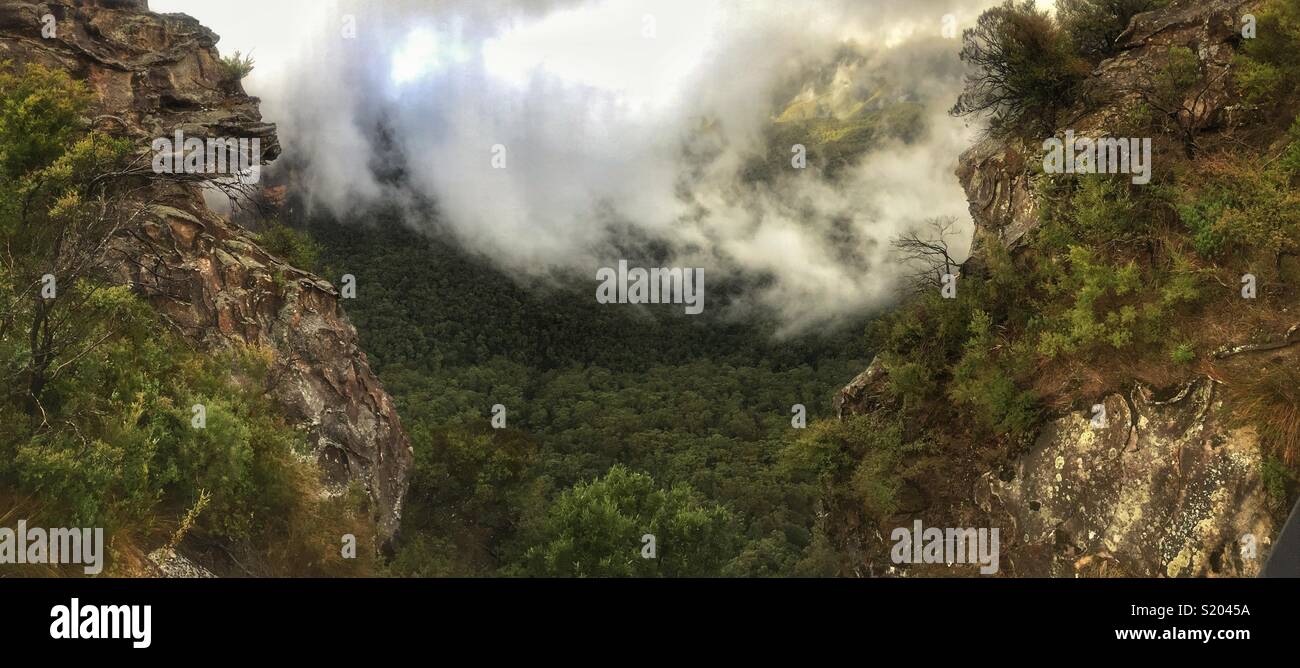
x=863, y=393
x=1156, y=488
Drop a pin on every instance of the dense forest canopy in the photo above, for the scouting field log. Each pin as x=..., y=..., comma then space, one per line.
x=636, y=412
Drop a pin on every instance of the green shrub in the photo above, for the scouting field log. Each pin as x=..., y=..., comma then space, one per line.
x=237, y=65
x=1268, y=68
x=1259, y=82
x=1095, y=25
x=1024, y=69
x=1106, y=210
x=1280, y=482
x=1290, y=162
x=1096, y=304
x=981, y=382
x=293, y=246
x=40, y=113
x=861, y=462
x=1201, y=217
x=1239, y=205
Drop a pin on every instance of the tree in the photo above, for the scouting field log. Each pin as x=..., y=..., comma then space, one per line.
x=600, y=529
x=61, y=202
x=1025, y=70
x=1181, y=92
x=1095, y=25
x=926, y=253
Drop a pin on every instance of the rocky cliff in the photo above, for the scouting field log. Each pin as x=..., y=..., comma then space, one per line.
x=997, y=174
x=1167, y=484
x=154, y=75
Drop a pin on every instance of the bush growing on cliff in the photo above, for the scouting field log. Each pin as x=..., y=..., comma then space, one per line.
x=238, y=66
x=1094, y=25
x=860, y=462
x=982, y=382
x=1096, y=303
x=40, y=112
x=1024, y=69
x=1268, y=68
x=291, y=245
x=1106, y=210
x=1177, y=93
x=1290, y=161
x=1238, y=205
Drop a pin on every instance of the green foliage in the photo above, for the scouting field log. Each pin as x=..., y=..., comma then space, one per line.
x=861, y=462
x=115, y=447
x=1106, y=210
x=1260, y=82
x=1096, y=210
x=1183, y=353
x=40, y=112
x=1174, y=92
x=1181, y=70
x=1280, y=483
x=1269, y=66
x=237, y=65
x=1095, y=25
x=472, y=485
x=596, y=529
x=1091, y=291
x=293, y=246
x=689, y=401
x=1202, y=215
x=98, y=391
x=1024, y=69
x=1290, y=162
x=981, y=382
x=1239, y=205
x=1103, y=305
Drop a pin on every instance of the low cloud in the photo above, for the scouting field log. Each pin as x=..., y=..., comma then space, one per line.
x=630, y=119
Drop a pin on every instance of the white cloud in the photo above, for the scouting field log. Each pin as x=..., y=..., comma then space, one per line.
x=595, y=101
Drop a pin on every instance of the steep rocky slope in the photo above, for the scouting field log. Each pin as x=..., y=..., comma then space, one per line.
x=997, y=175
x=154, y=75
x=1167, y=484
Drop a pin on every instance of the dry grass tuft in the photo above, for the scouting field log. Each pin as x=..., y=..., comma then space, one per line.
x=1269, y=398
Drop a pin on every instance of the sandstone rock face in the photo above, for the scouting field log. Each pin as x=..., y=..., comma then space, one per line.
x=156, y=74
x=863, y=393
x=1166, y=487
x=1157, y=489
x=998, y=176
x=998, y=185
